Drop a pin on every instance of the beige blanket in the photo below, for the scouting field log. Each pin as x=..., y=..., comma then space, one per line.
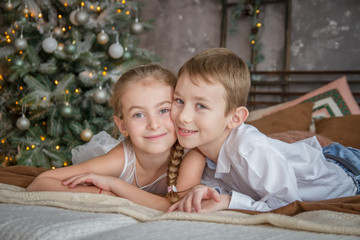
x=322, y=221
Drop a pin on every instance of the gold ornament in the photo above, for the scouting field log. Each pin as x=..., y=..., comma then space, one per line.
x=86, y=135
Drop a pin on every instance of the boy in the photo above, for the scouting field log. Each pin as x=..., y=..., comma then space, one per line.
x=248, y=169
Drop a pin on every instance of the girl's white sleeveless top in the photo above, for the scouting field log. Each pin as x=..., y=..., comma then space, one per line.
x=102, y=143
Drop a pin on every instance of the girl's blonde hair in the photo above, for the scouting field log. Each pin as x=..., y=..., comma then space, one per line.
x=143, y=73
x=222, y=66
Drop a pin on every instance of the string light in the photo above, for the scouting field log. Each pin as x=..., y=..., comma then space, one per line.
x=52, y=167
x=33, y=146
x=56, y=82
x=257, y=11
x=252, y=41
x=63, y=29
x=77, y=90
x=44, y=98
x=42, y=138
x=98, y=8
x=127, y=12
x=66, y=91
x=91, y=7
x=104, y=73
x=57, y=147
x=27, y=148
x=65, y=4
x=21, y=88
x=2, y=141
x=82, y=4
x=60, y=16
x=44, y=123
x=65, y=164
x=258, y=25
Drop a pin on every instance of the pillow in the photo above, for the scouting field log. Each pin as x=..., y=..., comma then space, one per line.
x=344, y=130
x=297, y=117
x=259, y=113
x=333, y=99
x=294, y=136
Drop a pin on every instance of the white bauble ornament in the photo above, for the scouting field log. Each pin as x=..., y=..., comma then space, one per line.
x=102, y=38
x=72, y=18
x=49, y=45
x=26, y=10
x=137, y=27
x=82, y=17
x=100, y=95
x=60, y=47
x=116, y=50
x=23, y=123
x=21, y=44
x=86, y=135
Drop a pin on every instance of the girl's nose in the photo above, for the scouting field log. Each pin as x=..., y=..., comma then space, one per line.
x=154, y=123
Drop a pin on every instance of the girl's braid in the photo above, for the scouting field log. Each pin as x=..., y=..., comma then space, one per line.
x=175, y=159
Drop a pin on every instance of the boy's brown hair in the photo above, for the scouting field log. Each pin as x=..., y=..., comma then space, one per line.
x=220, y=65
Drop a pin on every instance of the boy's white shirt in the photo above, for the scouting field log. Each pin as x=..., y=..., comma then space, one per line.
x=262, y=173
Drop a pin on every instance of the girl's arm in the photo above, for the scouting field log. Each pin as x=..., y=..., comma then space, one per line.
x=190, y=173
x=110, y=164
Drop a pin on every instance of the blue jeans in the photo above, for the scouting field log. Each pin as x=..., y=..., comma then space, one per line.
x=347, y=158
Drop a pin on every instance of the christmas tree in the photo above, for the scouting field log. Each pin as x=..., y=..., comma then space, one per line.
x=59, y=61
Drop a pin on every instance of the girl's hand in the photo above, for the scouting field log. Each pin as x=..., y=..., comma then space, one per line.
x=193, y=200
x=100, y=181
x=211, y=205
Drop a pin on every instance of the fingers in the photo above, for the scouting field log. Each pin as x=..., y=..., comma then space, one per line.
x=213, y=194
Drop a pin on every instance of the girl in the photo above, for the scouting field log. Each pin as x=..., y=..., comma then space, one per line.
x=149, y=157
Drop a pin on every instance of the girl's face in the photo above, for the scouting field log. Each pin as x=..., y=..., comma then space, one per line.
x=146, y=116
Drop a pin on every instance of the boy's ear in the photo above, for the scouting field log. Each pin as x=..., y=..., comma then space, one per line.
x=121, y=126
x=238, y=116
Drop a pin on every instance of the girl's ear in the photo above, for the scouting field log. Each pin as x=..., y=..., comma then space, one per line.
x=121, y=126
x=238, y=116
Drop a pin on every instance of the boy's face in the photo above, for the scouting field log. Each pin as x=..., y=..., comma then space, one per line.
x=198, y=112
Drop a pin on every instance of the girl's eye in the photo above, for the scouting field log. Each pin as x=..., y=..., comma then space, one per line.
x=165, y=110
x=200, y=106
x=138, y=115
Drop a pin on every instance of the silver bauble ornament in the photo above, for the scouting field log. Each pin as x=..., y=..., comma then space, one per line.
x=73, y=19
x=9, y=6
x=23, y=123
x=102, y=38
x=58, y=32
x=137, y=27
x=66, y=111
x=70, y=49
x=21, y=44
x=82, y=17
x=116, y=50
x=100, y=96
x=127, y=55
x=86, y=135
x=19, y=62
x=49, y=44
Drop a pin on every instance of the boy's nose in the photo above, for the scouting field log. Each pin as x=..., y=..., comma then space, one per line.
x=185, y=115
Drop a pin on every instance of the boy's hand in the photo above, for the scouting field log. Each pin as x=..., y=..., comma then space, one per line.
x=211, y=205
x=192, y=201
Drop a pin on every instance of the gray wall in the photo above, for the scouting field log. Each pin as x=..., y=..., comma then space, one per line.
x=325, y=34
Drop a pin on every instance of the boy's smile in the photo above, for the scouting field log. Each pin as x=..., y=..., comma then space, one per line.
x=198, y=111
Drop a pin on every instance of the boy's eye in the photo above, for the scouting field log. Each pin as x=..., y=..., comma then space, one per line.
x=179, y=101
x=138, y=115
x=200, y=106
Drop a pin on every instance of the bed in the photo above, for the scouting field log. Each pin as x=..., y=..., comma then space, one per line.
x=330, y=111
